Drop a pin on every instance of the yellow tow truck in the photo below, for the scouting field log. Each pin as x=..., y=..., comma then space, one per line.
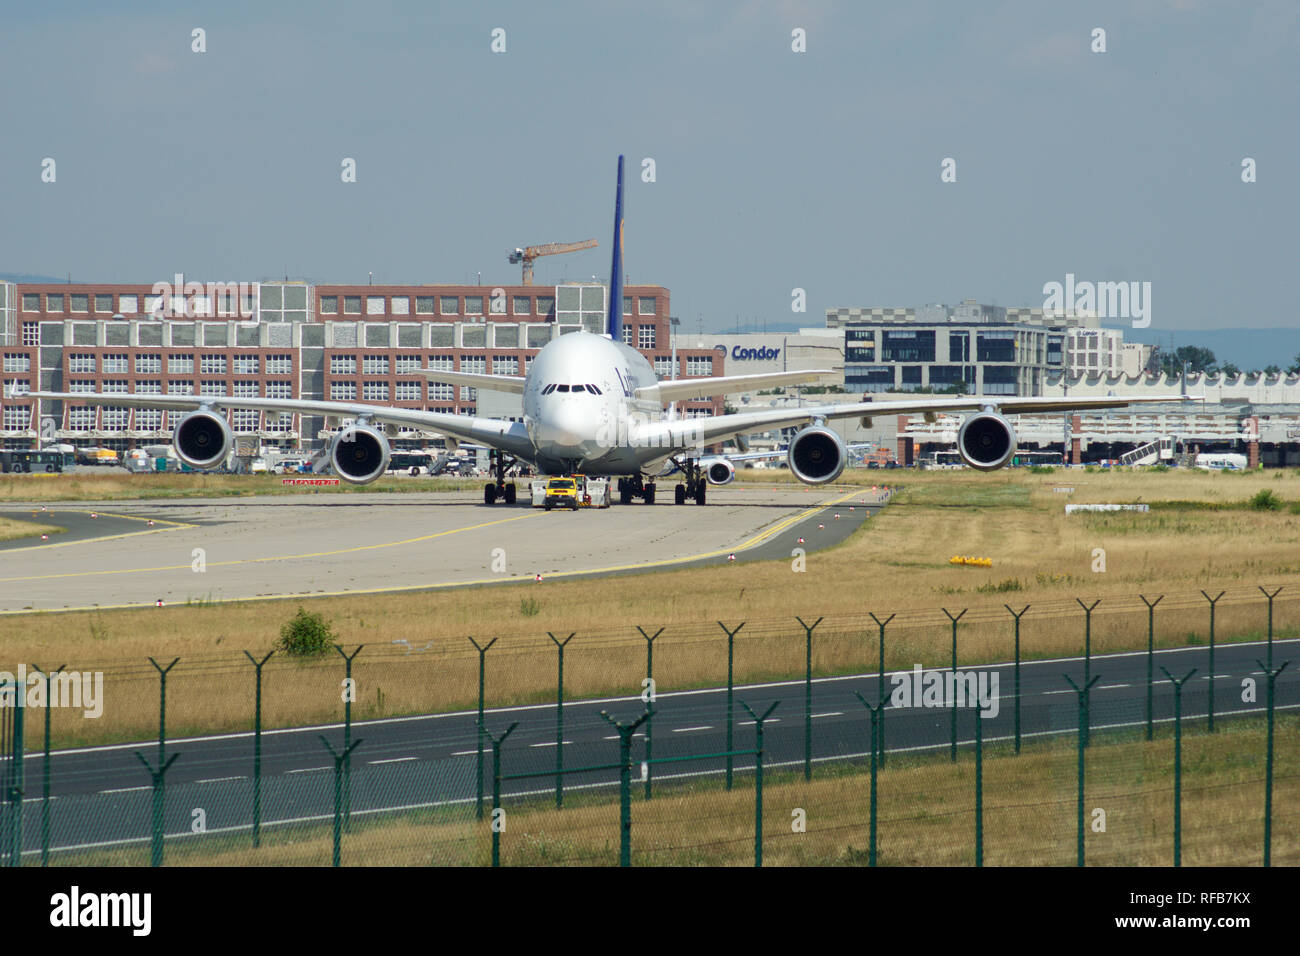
x=562, y=493
x=571, y=491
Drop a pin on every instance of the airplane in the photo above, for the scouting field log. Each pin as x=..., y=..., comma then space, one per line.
x=593, y=405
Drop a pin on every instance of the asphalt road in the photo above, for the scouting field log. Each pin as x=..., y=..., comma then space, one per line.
x=102, y=795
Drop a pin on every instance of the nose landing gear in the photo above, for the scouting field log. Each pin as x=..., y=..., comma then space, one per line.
x=498, y=489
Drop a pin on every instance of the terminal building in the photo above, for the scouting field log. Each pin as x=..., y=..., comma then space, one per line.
x=294, y=340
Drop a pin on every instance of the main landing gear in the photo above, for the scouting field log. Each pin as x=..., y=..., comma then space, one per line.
x=634, y=487
x=498, y=489
x=694, y=486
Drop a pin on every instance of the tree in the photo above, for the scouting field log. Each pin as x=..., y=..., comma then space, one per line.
x=1229, y=370
x=305, y=635
x=1295, y=368
x=1271, y=370
x=1198, y=359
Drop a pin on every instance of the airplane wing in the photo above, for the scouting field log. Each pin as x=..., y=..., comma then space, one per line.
x=498, y=383
x=511, y=437
x=683, y=389
x=689, y=432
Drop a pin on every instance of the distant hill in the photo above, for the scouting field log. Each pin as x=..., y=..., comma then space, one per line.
x=20, y=277
x=1248, y=349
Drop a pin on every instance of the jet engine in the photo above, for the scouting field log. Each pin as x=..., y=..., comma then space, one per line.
x=986, y=441
x=719, y=471
x=816, y=455
x=359, y=454
x=202, y=439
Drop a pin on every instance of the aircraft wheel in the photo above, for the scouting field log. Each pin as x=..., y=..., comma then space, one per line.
x=679, y=495
x=699, y=494
x=511, y=493
x=649, y=494
x=624, y=496
x=489, y=494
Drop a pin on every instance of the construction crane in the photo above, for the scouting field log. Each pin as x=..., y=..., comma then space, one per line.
x=526, y=256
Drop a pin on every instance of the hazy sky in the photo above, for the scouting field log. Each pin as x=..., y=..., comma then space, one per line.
x=774, y=169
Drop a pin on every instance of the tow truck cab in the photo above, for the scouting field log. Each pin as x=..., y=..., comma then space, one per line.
x=562, y=493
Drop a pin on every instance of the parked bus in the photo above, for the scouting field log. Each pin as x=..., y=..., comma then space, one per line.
x=41, y=462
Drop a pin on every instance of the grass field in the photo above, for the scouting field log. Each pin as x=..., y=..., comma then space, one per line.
x=1202, y=533
x=926, y=815
x=116, y=485
x=11, y=529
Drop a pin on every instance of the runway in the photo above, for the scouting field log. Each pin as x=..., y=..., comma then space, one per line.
x=212, y=550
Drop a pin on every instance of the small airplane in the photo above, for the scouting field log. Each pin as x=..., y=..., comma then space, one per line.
x=593, y=405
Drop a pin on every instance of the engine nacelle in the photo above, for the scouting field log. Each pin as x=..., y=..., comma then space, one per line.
x=816, y=455
x=719, y=471
x=359, y=454
x=986, y=441
x=202, y=439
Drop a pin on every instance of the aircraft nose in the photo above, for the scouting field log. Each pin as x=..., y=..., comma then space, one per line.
x=565, y=425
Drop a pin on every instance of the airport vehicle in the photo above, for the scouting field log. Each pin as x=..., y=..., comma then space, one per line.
x=570, y=491
x=39, y=462
x=1226, y=461
x=411, y=463
x=594, y=405
x=562, y=493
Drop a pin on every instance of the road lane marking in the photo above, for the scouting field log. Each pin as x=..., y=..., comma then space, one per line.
x=687, y=730
x=393, y=760
x=219, y=779
x=309, y=769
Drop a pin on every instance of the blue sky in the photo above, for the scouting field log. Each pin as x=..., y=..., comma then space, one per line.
x=775, y=170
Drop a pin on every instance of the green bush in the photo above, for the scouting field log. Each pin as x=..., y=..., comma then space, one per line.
x=1042, y=470
x=1265, y=500
x=529, y=607
x=306, y=635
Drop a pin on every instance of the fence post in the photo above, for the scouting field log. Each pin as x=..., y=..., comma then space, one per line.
x=952, y=704
x=1268, y=763
x=758, y=777
x=648, y=695
x=45, y=768
x=875, y=746
x=1083, y=738
x=625, y=732
x=559, y=719
x=879, y=713
x=257, y=749
x=156, y=843
x=162, y=706
x=1151, y=651
x=807, y=697
x=339, y=760
x=1270, y=624
x=979, y=785
x=347, y=735
x=1178, y=761
x=1018, y=617
x=1213, y=601
x=497, y=824
x=731, y=648
x=16, y=782
x=482, y=652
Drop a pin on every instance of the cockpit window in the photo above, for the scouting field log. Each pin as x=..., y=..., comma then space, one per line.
x=548, y=389
x=561, y=388
x=593, y=389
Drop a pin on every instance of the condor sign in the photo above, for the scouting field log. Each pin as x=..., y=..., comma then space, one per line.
x=759, y=354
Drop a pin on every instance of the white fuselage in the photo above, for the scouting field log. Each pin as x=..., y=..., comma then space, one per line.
x=581, y=410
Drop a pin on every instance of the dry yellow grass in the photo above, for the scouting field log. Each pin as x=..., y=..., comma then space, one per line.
x=10, y=529
x=897, y=564
x=926, y=816
x=114, y=485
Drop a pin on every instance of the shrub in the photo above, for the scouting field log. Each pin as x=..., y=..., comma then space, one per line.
x=306, y=635
x=529, y=607
x=1042, y=470
x=1265, y=500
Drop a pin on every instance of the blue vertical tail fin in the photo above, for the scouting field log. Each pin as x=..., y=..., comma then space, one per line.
x=614, y=324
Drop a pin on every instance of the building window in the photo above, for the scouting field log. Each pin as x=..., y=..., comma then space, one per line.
x=81, y=385
x=627, y=305
x=31, y=333
x=907, y=346
x=116, y=385
x=468, y=394
x=448, y=305
x=645, y=305
x=473, y=305
x=80, y=302
x=352, y=305
x=147, y=364
x=180, y=388
x=343, y=364
x=408, y=391
x=627, y=334
x=646, y=337
x=17, y=386
x=245, y=389
x=212, y=365
x=279, y=390
x=329, y=305
x=406, y=364
x=699, y=365
x=424, y=305
x=444, y=363
x=128, y=304
x=375, y=391
x=31, y=302
x=212, y=388
x=116, y=363
x=546, y=306
x=279, y=364
x=17, y=417
x=374, y=305
x=245, y=364
x=996, y=347
x=148, y=387
x=19, y=362
x=180, y=364
x=374, y=365
x=505, y=365
x=244, y=419
x=148, y=419
x=401, y=305
x=81, y=362
x=523, y=305
x=343, y=391
x=103, y=303
x=473, y=363
x=439, y=392
x=81, y=419
x=664, y=366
